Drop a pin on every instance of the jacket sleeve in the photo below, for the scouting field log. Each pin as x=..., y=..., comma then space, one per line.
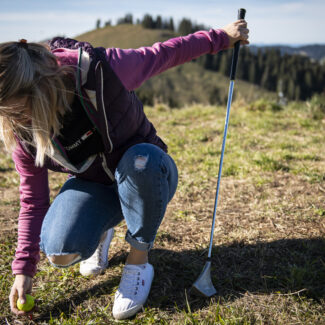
x=134, y=66
x=34, y=203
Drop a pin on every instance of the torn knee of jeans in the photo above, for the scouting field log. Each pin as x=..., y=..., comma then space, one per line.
x=140, y=162
x=64, y=260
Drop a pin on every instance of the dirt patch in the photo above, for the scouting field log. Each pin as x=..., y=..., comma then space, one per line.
x=286, y=206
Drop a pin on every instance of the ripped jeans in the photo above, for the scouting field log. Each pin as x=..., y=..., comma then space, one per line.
x=146, y=180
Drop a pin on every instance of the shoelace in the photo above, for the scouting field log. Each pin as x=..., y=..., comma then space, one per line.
x=130, y=282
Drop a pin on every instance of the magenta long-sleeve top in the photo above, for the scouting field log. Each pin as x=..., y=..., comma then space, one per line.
x=133, y=67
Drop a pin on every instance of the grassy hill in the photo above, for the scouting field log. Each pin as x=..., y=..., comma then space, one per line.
x=269, y=248
x=181, y=85
x=125, y=36
x=190, y=83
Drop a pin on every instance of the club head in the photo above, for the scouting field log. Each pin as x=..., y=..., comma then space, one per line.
x=203, y=284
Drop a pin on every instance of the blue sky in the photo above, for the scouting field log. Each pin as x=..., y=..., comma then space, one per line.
x=281, y=22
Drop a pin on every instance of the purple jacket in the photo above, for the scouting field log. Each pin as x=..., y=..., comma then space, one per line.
x=114, y=111
x=131, y=68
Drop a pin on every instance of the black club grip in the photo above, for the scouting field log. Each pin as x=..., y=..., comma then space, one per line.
x=241, y=15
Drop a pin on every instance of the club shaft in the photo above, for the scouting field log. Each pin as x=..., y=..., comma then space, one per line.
x=230, y=92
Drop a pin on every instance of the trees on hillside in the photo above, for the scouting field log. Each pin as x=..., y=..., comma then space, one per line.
x=296, y=76
x=186, y=26
x=127, y=19
x=150, y=22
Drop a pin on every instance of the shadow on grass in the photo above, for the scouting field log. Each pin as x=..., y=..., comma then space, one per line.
x=284, y=266
x=68, y=306
x=5, y=169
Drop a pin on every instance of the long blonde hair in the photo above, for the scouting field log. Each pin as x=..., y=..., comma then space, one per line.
x=31, y=71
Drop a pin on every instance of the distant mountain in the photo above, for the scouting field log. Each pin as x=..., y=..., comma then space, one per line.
x=314, y=51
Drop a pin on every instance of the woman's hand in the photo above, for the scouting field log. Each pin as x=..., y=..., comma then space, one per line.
x=237, y=31
x=23, y=284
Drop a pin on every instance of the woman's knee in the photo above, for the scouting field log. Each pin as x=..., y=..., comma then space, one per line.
x=64, y=260
x=142, y=158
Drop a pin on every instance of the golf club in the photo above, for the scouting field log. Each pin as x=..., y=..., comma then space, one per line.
x=204, y=283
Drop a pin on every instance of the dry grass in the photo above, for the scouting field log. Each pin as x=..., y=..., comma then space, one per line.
x=269, y=248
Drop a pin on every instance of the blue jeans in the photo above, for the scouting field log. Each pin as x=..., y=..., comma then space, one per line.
x=146, y=180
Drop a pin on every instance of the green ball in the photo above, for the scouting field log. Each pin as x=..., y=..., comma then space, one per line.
x=28, y=305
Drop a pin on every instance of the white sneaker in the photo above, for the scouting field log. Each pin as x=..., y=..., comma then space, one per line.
x=133, y=290
x=98, y=262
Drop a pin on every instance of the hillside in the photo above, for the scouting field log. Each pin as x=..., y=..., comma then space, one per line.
x=191, y=83
x=181, y=85
x=125, y=36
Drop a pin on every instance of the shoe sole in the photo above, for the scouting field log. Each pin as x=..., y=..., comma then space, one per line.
x=128, y=313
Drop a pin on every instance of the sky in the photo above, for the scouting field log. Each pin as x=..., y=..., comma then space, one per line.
x=292, y=22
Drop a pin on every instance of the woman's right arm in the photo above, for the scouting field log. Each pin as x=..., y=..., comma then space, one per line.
x=134, y=66
x=34, y=202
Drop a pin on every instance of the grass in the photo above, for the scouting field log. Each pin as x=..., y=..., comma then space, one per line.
x=269, y=250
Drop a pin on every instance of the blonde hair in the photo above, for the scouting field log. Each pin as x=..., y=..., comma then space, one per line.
x=31, y=71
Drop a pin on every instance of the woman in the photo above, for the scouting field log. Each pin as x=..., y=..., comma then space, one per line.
x=71, y=109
